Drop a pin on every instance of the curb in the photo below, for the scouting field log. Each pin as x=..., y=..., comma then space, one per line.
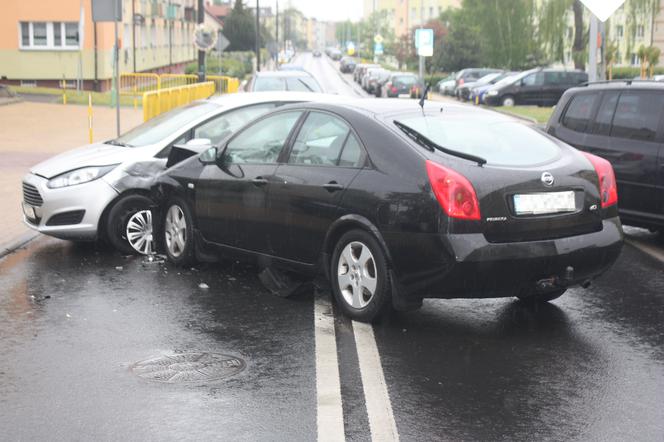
x=17, y=243
x=8, y=101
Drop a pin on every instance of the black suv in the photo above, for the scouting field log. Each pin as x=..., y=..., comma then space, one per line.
x=622, y=121
x=541, y=87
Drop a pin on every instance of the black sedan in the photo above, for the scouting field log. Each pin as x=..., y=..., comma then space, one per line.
x=394, y=203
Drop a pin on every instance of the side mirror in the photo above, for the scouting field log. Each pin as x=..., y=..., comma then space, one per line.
x=209, y=156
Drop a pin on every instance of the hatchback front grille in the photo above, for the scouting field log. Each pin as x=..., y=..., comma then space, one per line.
x=31, y=195
x=66, y=218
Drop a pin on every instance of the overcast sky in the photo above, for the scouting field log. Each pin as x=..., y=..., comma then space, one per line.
x=327, y=10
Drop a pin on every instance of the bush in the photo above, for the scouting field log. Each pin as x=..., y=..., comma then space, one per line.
x=620, y=73
x=234, y=64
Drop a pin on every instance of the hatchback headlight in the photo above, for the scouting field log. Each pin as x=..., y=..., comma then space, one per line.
x=492, y=93
x=79, y=176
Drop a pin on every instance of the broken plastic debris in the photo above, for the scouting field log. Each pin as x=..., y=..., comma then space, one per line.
x=203, y=286
x=118, y=268
x=68, y=315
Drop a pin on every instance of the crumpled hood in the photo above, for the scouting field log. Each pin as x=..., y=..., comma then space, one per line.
x=97, y=154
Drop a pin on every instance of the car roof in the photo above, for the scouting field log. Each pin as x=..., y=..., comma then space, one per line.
x=621, y=85
x=246, y=98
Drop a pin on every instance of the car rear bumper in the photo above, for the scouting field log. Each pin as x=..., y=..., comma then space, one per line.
x=468, y=266
x=89, y=198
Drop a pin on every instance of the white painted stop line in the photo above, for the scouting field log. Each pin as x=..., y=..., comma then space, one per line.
x=377, y=399
x=329, y=417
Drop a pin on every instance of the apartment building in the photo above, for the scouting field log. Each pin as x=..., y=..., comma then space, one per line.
x=45, y=42
x=407, y=14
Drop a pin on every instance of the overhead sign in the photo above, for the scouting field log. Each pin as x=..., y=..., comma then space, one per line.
x=424, y=42
x=106, y=10
x=204, y=37
x=603, y=9
x=378, y=48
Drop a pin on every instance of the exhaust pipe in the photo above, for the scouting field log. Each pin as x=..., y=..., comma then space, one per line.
x=557, y=282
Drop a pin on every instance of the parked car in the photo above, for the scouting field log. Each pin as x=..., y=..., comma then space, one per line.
x=394, y=203
x=316, y=53
x=447, y=85
x=541, y=87
x=400, y=85
x=291, y=67
x=368, y=75
x=623, y=122
x=99, y=191
x=378, y=81
x=335, y=54
x=299, y=81
x=464, y=91
x=347, y=64
x=478, y=92
x=469, y=75
x=360, y=69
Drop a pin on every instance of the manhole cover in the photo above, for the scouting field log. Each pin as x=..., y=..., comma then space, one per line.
x=188, y=367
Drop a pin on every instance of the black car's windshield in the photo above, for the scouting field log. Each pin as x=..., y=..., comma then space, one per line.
x=300, y=84
x=499, y=142
x=164, y=125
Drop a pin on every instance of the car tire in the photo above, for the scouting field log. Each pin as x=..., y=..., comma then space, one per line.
x=542, y=297
x=360, y=277
x=120, y=216
x=507, y=101
x=178, y=233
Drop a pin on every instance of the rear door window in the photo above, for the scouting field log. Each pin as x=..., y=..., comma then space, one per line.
x=578, y=114
x=607, y=109
x=536, y=79
x=320, y=140
x=637, y=116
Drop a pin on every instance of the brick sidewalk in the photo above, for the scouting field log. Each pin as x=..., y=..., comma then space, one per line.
x=33, y=132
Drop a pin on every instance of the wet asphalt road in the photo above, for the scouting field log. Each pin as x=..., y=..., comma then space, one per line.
x=76, y=319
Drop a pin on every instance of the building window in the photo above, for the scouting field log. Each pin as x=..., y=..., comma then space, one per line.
x=640, y=31
x=49, y=35
x=430, y=11
x=620, y=31
x=635, y=59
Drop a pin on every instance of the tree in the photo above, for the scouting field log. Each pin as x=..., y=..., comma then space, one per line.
x=638, y=12
x=652, y=56
x=240, y=28
x=461, y=47
x=610, y=56
x=552, y=31
x=642, y=53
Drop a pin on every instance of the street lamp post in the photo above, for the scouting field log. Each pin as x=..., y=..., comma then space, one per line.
x=258, y=37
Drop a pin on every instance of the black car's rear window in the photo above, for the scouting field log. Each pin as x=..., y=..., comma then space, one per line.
x=500, y=142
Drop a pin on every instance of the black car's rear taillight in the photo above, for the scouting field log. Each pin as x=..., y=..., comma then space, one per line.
x=608, y=189
x=454, y=192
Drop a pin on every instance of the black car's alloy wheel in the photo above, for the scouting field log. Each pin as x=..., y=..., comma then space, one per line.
x=178, y=233
x=360, y=277
x=129, y=225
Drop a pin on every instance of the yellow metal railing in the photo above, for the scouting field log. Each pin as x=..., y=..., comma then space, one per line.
x=137, y=84
x=224, y=84
x=162, y=100
x=175, y=80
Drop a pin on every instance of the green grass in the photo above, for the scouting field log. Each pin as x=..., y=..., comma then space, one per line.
x=541, y=114
x=75, y=97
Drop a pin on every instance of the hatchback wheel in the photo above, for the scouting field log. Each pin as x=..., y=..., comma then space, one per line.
x=178, y=233
x=360, y=276
x=129, y=225
x=508, y=101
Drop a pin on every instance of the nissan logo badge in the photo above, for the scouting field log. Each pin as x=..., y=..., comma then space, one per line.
x=547, y=179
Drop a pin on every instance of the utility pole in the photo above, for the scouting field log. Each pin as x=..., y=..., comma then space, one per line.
x=201, y=54
x=277, y=38
x=133, y=33
x=116, y=58
x=258, y=37
x=592, y=56
x=418, y=43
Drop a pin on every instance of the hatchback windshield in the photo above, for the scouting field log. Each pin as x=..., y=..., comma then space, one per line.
x=300, y=84
x=164, y=125
x=500, y=142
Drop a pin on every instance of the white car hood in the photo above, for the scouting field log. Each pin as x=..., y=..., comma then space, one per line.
x=97, y=154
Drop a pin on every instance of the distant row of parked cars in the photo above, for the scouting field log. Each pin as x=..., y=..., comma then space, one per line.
x=495, y=87
x=381, y=82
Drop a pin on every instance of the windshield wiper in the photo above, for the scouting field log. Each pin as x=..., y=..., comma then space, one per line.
x=305, y=84
x=432, y=146
x=117, y=143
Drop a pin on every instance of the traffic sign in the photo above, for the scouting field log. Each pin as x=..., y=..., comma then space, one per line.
x=204, y=37
x=424, y=42
x=222, y=42
x=378, y=48
x=350, y=48
x=603, y=9
x=378, y=39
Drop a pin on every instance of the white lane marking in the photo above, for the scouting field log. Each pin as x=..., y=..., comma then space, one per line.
x=329, y=418
x=646, y=248
x=377, y=399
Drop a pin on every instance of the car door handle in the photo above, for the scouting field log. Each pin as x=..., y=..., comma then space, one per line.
x=259, y=181
x=333, y=186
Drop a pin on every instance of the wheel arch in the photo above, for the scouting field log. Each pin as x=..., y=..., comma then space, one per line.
x=343, y=225
x=101, y=229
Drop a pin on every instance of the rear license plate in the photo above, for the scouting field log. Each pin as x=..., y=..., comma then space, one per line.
x=544, y=203
x=404, y=95
x=29, y=211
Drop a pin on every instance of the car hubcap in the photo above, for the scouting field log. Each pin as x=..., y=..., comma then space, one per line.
x=356, y=274
x=139, y=232
x=175, y=229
